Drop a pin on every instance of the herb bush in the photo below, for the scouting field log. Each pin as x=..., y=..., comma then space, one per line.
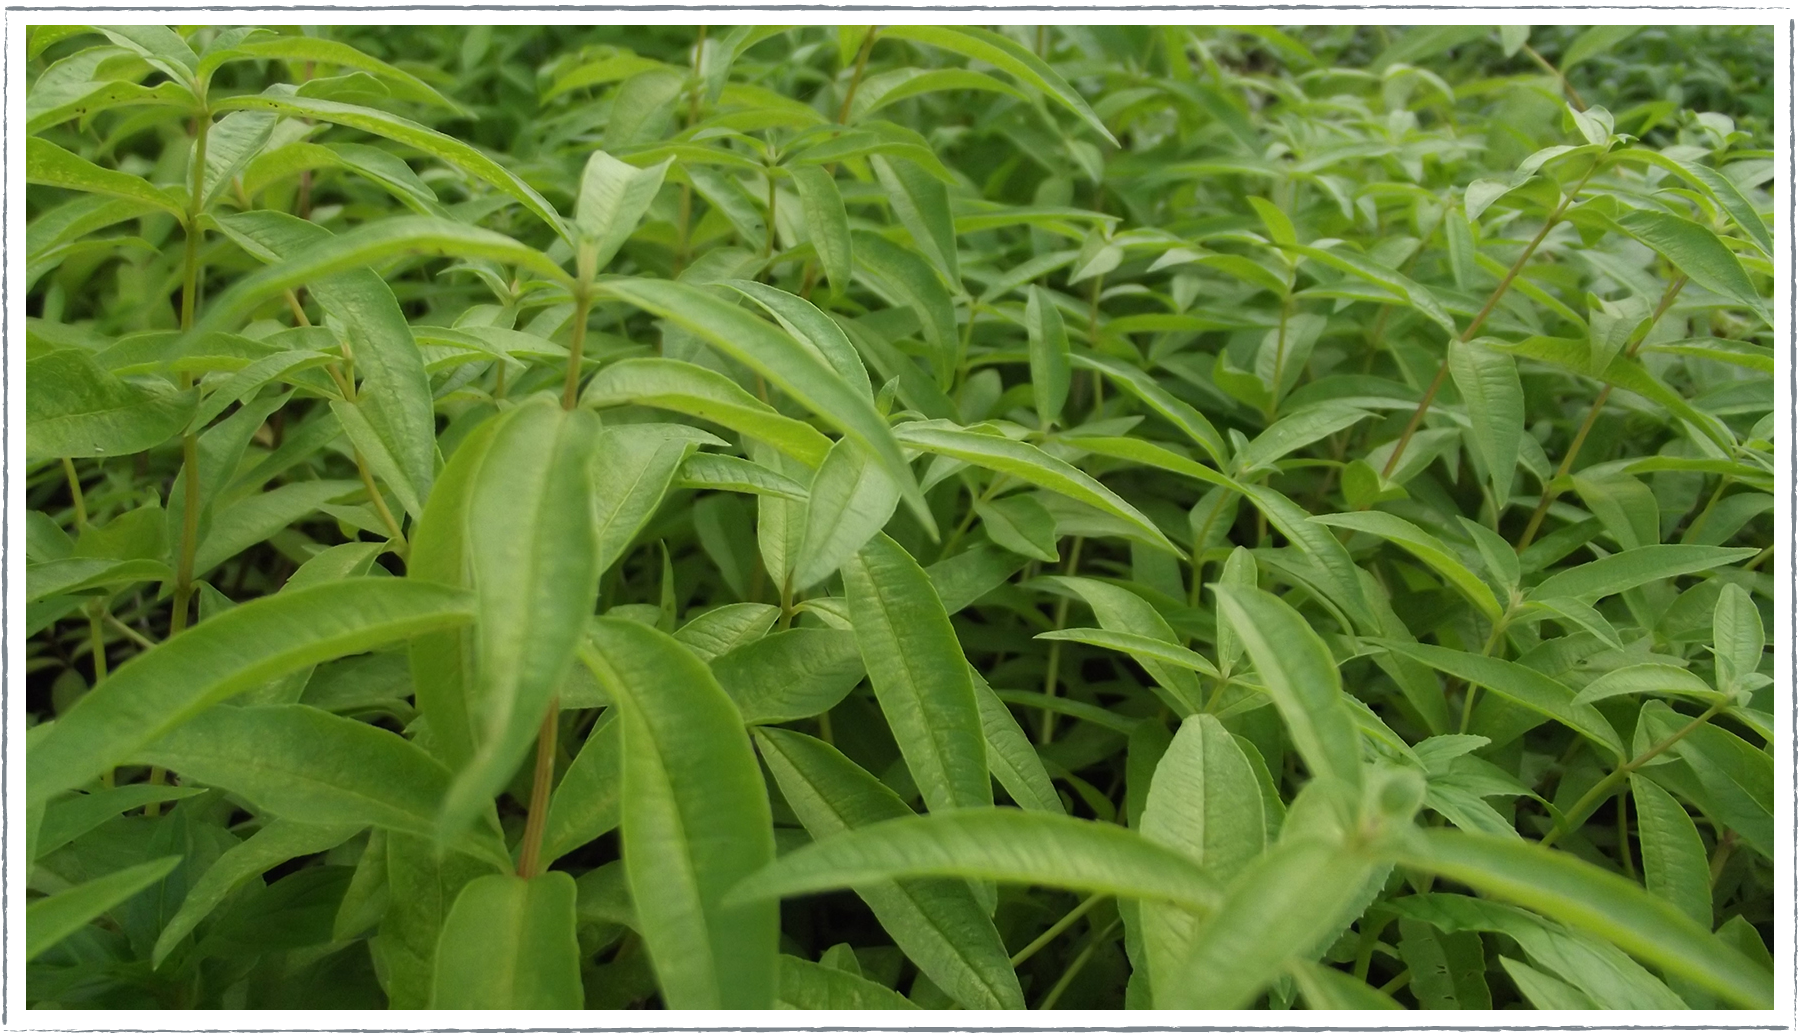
x=925, y=517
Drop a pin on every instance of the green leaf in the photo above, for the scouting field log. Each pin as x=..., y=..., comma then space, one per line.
x=313, y=49
x=1122, y=612
x=812, y=328
x=1738, y=638
x=1204, y=802
x=311, y=766
x=1586, y=897
x=242, y=648
x=827, y=227
x=920, y=677
x=1327, y=988
x=1596, y=40
x=631, y=469
x=990, y=844
x=1488, y=382
x=1021, y=524
x=66, y=819
x=905, y=279
x=1675, y=864
x=1426, y=547
x=404, y=131
x=695, y=821
x=922, y=205
x=534, y=563
x=1624, y=505
x=1302, y=677
x=50, y=920
x=52, y=166
x=1011, y=758
x=1697, y=252
x=812, y=986
x=585, y=803
x=1519, y=684
x=1191, y=421
x=789, y=675
x=613, y=197
x=262, y=851
x=1049, y=355
x=785, y=362
x=74, y=408
x=698, y=392
x=937, y=922
x=1645, y=679
x=1029, y=464
x=735, y=474
x=509, y=944
x=1633, y=568
x=994, y=49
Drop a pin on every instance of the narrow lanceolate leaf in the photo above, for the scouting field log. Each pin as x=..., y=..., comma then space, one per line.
x=585, y=803
x=1629, y=569
x=1675, y=863
x=1030, y=464
x=52, y=166
x=1584, y=896
x=1519, y=684
x=50, y=920
x=1011, y=758
x=1426, y=547
x=906, y=279
x=1697, y=252
x=1203, y=802
x=631, y=469
x=308, y=765
x=922, y=205
x=812, y=328
x=812, y=986
x=827, y=227
x=1488, y=382
x=405, y=131
x=509, y=944
x=785, y=362
x=1192, y=422
x=534, y=559
x=698, y=392
x=937, y=922
x=269, y=847
x=994, y=49
x=1120, y=611
x=850, y=501
x=614, y=196
x=789, y=675
x=920, y=676
x=1273, y=912
x=695, y=821
x=75, y=408
x=242, y=648
x=1303, y=679
x=991, y=844
x=1049, y=355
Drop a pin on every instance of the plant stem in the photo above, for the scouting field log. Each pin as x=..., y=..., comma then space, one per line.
x=1568, y=461
x=136, y=637
x=1568, y=88
x=1057, y=928
x=81, y=515
x=577, y=338
x=862, y=62
x=1078, y=965
x=540, y=794
x=1586, y=804
x=1048, y=730
x=190, y=452
x=380, y=503
x=1468, y=334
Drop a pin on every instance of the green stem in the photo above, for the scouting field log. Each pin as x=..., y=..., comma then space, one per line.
x=1589, y=801
x=577, y=338
x=1057, y=928
x=136, y=637
x=1048, y=730
x=1078, y=965
x=541, y=777
x=1468, y=335
x=81, y=514
x=190, y=458
x=862, y=62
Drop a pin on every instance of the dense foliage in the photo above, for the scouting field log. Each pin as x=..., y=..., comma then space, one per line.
x=919, y=517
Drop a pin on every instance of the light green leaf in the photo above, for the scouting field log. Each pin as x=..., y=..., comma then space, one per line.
x=827, y=227
x=75, y=408
x=922, y=205
x=50, y=920
x=613, y=197
x=695, y=821
x=789, y=675
x=919, y=674
x=1488, y=382
x=1426, y=547
x=585, y=803
x=905, y=279
x=1021, y=524
x=1582, y=895
x=51, y=165
x=1191, y=421
x=812, y=328
x=698, y=392
x=509, y=944
x=1648, y=678
x=1011, y=758
x=1675, y=864
x=245, y=647
x=1632, y=568
x=1697, y=252
x=937, y=922
x=1049, y=355
x=1120, y=611
x=1519, y=684
x=992, y=48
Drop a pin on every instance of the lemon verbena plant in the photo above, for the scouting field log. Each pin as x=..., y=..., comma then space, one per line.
x=898, y=517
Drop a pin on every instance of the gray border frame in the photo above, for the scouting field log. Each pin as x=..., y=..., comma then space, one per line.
x=1782, y=17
